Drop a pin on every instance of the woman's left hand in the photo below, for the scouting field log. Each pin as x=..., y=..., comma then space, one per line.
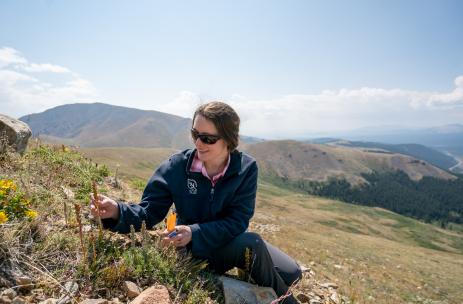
x=182, y=238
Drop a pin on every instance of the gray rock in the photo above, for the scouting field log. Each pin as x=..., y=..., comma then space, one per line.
x=17, y=133
x=236, y=292
x=71, y=289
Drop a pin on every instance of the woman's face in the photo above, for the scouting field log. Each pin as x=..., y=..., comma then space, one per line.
x=209, y=152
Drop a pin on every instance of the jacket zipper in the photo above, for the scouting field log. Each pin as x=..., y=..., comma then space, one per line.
x=211, y=196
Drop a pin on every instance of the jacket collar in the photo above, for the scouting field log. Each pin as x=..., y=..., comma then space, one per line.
x=233, y=167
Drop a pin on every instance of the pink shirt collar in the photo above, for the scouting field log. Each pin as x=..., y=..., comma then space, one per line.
x=198, y=166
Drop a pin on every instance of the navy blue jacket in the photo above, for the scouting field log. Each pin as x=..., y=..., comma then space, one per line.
x=215, y=214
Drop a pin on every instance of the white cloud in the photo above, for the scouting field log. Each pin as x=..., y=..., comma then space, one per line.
x=10, y=56
x=335, y=110
x=23, y=88
x=45, y=67
x=184, y=104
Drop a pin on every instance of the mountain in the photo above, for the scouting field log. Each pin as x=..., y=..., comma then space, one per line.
x=448, y=138
x=104, y=125
x=296, y=160
x=430, y=155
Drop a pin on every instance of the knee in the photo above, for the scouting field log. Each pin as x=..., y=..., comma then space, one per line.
x=254, y=240
x=295, y=275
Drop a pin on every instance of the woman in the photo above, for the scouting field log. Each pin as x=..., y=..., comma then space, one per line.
x=214, y=190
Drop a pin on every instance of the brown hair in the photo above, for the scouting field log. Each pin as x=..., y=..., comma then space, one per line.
x=224, y=118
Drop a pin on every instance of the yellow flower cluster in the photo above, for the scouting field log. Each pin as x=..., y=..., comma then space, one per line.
x=13, y=205
x=7, y=184
x=3, y=217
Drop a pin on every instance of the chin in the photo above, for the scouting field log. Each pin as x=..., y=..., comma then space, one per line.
x=203, y=156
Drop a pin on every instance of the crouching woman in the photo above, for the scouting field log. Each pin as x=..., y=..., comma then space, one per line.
x=214, y=190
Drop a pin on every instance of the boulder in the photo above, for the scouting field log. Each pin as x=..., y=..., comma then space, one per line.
x=16, y=134
x=155, y=294
x=236, y=292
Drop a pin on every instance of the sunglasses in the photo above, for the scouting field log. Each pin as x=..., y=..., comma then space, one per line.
x=208, y=139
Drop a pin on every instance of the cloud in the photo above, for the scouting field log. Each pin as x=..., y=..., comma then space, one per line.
x=10, y=56
x=336, y=110
x=184, y=104
x=45, y=67
x=24, y=87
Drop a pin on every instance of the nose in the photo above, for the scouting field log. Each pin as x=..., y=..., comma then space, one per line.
x=198, y=142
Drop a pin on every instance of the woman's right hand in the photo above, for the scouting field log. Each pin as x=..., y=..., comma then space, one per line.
x=108, y=207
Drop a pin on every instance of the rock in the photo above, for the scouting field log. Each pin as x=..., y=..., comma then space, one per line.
x=337, y=266
x=19, y=300
x=304, y=268
x=329, y=285
x=155, y=294
x=241, y=292
x=94, y=301
x=303, y=298
x=71, y=289
x=131, y=289
x=17, y=134
x=25, y=282
x=10, y=293
x=334, y=297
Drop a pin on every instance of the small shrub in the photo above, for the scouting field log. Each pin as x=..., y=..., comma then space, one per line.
x=13, y=204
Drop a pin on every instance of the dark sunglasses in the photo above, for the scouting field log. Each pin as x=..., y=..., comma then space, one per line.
x=208, y=139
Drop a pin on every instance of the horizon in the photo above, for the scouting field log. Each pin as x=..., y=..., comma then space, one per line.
x=289, y=69
x=364, y=131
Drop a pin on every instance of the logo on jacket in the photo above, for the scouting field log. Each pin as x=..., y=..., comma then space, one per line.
x=192, y=186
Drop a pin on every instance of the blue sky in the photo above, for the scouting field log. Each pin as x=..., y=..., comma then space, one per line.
x=290, y=68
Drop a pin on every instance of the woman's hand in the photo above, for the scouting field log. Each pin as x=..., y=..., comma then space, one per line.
x=182, y=238
x=108, y=207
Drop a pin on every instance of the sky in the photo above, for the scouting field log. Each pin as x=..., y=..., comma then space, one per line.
x=290, y=68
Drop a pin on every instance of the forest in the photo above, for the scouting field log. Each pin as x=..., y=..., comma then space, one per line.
x=429, y=199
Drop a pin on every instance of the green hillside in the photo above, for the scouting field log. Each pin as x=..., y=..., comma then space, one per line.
x=374, y=255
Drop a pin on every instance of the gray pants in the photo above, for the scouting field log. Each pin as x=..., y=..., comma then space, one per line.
x=269, y=266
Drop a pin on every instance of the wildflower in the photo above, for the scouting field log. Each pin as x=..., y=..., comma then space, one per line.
x=7, y=184
x=31, y=214
x=3, y=217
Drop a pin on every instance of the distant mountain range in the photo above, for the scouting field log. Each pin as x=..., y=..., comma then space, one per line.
x=430, y=155
x=295, y=160
x=447, y=138
x=103, y=125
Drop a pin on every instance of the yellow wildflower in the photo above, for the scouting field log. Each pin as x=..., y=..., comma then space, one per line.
x=3, y=217
x=32, y=214
x=7, y=184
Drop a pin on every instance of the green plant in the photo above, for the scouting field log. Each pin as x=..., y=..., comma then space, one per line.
x=13, y=204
